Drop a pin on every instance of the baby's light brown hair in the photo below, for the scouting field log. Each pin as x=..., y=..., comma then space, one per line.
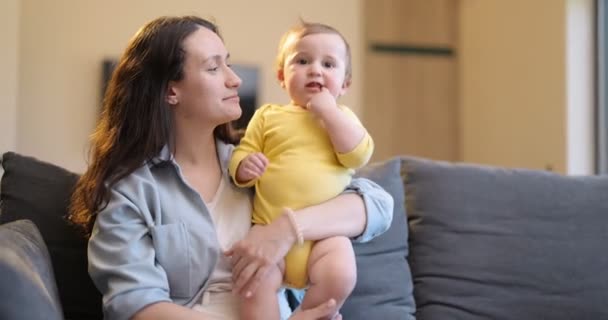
x=305, y=28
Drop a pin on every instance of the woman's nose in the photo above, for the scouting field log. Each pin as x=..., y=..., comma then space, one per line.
x=233, y=80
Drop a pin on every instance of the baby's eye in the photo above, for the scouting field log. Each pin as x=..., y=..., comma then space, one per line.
x=328, y=64
x=302, y=61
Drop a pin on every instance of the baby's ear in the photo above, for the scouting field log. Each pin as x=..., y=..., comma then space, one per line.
x=281, y=77
x=345, y=86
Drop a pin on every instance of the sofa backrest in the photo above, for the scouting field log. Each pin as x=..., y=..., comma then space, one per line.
x=27, y=275
x=482, y=242
x=39, y=191
x=496, y=243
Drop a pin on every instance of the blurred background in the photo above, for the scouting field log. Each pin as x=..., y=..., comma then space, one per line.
x=514, y=83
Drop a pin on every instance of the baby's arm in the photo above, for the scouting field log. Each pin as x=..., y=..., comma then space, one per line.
x=251, y=168
x=247, y=162
x=352, y=144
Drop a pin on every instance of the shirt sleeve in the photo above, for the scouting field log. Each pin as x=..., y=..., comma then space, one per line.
x=378, y=207
x=252, y=142
x=122, y=260
x=361, y=154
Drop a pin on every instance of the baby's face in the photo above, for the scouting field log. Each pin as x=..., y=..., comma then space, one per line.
x=311, y=63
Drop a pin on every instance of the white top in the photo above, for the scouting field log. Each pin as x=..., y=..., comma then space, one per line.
x=231, y=214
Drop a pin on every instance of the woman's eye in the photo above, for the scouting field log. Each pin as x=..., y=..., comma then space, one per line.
x=213, y=69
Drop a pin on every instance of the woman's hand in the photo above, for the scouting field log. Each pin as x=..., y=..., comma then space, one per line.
x=321, y=311
x=262, y=248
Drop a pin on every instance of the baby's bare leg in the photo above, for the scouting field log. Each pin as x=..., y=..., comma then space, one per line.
x=264, y=303
x=332, y=272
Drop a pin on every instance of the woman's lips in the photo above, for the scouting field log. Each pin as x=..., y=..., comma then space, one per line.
x=234, y=98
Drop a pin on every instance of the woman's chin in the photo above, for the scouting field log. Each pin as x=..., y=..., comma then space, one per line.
x=234, y=115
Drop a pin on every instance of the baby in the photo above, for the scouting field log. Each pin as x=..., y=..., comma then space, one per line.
x=301, y=154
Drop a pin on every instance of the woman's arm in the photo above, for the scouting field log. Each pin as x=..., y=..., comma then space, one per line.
x=265, y=246
x=364, y=211
x=379, y=206
x=167, y=310
x=121, y=260
x=343, y=215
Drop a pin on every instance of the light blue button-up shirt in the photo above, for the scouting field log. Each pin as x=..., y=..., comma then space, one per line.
x=155, y=240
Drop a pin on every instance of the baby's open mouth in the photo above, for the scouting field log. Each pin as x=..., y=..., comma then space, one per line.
x=314, y=85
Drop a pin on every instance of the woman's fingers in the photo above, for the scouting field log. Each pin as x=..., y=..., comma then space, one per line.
x=252, y=284
x=236, y=255
x=322, y=311
x=238, y=267
x=254, y=256
x=248, y=273
x=250, y=270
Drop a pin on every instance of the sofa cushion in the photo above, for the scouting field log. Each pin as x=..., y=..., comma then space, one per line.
x=384, y=284
x=27, y=275
x=40, y=192
x=494, y=243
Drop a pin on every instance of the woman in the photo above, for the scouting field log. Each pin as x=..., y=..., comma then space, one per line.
x=170, y=236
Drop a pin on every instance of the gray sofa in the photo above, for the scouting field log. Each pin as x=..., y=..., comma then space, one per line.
x=476, y=243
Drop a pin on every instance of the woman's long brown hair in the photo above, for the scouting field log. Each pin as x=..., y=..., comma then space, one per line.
x=136, y=122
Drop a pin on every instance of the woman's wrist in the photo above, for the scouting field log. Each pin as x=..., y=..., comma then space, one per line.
x=285, y=227
x=295, y=227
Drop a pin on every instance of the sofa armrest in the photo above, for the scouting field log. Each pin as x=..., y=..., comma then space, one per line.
x=28, y=287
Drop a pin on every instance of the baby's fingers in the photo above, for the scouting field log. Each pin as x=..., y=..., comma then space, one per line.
x=260, y=161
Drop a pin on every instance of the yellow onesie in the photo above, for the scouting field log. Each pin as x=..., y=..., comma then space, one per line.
x=303, y=170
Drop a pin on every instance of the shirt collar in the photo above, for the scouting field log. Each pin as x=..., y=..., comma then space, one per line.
x=224, y=152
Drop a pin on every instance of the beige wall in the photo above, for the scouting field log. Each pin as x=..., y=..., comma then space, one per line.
x=512, y=78
x=63, y=43
x=512, y=69
x=9, y=61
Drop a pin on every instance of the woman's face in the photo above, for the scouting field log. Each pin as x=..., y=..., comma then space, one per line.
x=207, y=94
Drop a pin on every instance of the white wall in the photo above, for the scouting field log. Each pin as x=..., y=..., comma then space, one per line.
x=580, y=89
x=512, y=56
x=9, y=61
x=63, y=43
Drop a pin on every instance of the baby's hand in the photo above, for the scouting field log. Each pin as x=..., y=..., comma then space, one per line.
x=251, y=167
x=321, y=102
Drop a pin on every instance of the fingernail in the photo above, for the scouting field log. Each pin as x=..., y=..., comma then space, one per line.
x=248, y=294
x=331, y=303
